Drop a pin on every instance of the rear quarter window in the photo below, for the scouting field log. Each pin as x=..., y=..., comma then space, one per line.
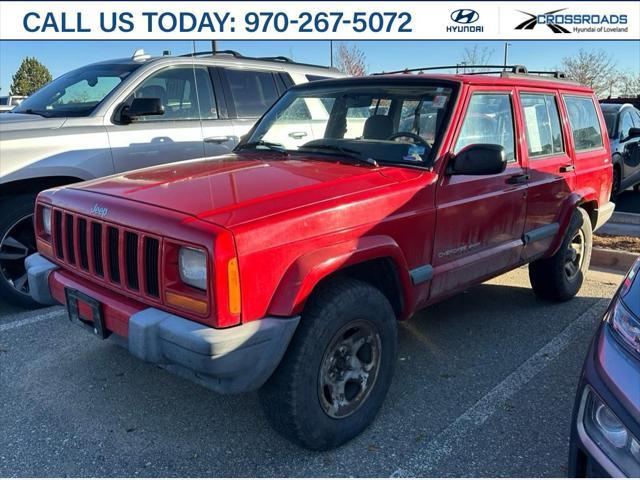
x=584, y=122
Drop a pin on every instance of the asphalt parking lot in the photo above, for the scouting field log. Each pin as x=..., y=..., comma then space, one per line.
x=484, y=387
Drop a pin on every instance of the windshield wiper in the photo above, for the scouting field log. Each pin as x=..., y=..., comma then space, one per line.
x=276, y=147
x=347, y=152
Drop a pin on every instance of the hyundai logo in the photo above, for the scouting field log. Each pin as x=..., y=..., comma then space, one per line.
x=465, y=15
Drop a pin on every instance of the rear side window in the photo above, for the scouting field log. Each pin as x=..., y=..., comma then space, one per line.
x=253, y=92
x=542, y=123
x=489, y=119
x=315, y=78
x=583, y=119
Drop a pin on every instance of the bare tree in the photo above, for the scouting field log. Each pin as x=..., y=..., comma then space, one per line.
x=629, y=84
x=351, y=60
x=595, y=69
x=475, y=55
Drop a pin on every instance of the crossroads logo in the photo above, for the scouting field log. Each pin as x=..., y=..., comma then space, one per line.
x=563, y=23
x=464, y=17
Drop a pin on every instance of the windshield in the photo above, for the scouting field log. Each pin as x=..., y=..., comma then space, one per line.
x=384, y=123
x=610, y=120
x=77, y=93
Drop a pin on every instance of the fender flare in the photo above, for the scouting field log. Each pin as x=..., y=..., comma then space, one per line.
x=308, y=270
x=574, y=201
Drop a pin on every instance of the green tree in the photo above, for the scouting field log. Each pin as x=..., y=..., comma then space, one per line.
x=31, y=76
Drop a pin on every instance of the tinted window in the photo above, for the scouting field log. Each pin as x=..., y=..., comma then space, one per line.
x=185, y=92
x=315, y=78
x=583, y=119
x=542, y=124
x=253, y=92
x=626, y=123
x=489, y=119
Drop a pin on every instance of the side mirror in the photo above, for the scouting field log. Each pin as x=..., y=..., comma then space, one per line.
x=142, y=107
x=634, y=132
x=479, y=159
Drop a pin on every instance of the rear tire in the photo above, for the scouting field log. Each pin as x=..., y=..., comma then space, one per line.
x=17, y=242
x=560, y=277
x=307, y=399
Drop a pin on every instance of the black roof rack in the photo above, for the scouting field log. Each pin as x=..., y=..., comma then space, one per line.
x=503, y=70
x=235, y=54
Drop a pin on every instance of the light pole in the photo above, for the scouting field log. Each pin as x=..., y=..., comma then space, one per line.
x=506, y=54
x=331, y=53
x=214, y=46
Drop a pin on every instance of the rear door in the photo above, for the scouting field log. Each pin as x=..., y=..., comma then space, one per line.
x=250, y=93
x=550, y=167
x=480, y=218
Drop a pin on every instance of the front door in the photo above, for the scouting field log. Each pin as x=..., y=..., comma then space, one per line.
x=480, y=219
x=177, y=134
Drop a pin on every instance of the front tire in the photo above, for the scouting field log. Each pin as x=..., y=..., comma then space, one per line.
x=336, y=372
x=617, y=181
x=17, y=242
x=560, y=277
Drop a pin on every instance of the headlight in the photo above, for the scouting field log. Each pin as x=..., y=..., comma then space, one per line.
x=193, y=267
x=625, y=325
x=611, y=435
x=46, y=220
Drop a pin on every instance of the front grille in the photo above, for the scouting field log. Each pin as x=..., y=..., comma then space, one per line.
x=108, y=251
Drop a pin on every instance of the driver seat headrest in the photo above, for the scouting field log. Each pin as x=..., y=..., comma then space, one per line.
x=378, y=127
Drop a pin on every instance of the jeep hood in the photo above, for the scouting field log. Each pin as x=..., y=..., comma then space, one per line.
x=236, y=189
x=10, y=122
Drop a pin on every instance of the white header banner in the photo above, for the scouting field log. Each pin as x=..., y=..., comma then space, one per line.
x=319, y=20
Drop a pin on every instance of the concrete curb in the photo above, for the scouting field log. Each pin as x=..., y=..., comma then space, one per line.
x=625, y=218
x=616, y=260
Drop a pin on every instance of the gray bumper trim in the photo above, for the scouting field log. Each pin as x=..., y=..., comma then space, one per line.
x=603, y=214
x=232, y=360
x=38, y=270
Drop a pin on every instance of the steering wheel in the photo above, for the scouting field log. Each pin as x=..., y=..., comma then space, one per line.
x=411, y=135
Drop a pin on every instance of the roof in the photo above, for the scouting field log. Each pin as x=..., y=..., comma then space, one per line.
x=475, y=79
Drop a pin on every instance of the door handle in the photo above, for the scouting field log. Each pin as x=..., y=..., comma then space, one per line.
x=519, y=179
x=219, y=139
x=298, y=135
x=567, y=168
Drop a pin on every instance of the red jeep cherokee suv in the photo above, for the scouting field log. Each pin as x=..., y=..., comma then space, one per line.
x=350, y=205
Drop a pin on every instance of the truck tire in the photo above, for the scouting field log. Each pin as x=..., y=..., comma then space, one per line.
x=17, y=242
x=560, y=277
x=337, y=370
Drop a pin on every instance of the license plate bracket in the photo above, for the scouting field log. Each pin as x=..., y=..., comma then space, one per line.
x=96, y=323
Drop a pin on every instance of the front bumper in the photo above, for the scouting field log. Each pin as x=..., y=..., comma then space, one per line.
x=613, y=375
x=231, y=360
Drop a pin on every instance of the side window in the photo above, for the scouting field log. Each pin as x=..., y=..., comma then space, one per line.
x=253, y=92
x=489, y=119
x=626, y=124
x=636, y=118
x=185, y=92
x=584, y=122
x=542, y=123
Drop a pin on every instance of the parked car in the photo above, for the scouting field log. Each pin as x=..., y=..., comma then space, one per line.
x=121, y=115
x=623, y=126
x=286, y=266
x=8, y=103
x=605, y=432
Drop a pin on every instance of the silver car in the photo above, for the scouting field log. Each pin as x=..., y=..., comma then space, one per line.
x=125, y=114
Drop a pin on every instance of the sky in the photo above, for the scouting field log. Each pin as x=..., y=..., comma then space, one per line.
x=62, y=56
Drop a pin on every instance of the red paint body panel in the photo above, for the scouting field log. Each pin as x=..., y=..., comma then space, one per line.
x=292, y=221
